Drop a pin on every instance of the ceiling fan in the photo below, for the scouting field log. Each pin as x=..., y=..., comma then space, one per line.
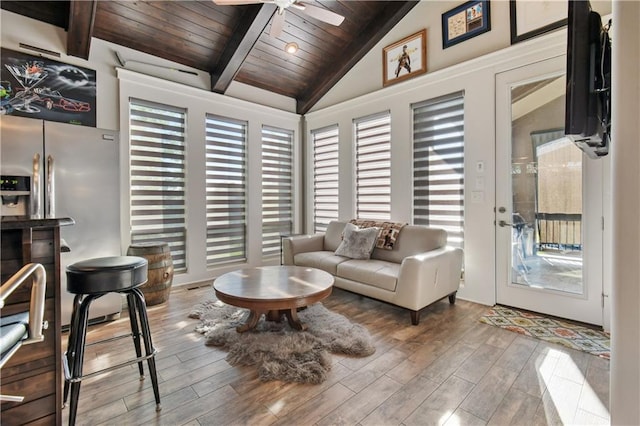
x=316, y=12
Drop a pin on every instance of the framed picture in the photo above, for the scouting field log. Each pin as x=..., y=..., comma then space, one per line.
x=405, y=59
x=532, y=18
x=465, y=21
x=37, y=87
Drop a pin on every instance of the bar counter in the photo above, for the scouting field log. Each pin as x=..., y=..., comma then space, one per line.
x=35, y=371
x=23, y=222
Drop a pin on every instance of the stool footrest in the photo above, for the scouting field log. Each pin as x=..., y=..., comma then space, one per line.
x=67, y=374
x=110, y=339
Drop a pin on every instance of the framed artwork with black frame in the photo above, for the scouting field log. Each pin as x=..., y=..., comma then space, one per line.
x=531, y=18
x=465, y=21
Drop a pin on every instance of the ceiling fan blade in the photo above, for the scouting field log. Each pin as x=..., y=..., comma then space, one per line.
x=321, y=14
x=277, y=24
x=238, y=2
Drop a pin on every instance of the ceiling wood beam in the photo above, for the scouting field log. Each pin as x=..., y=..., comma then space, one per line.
x=82, y=14
x=245, y=36
x=358, y=48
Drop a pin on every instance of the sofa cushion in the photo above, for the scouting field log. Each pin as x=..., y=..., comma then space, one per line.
x=377, y=273
x=333, y=235
x=357, y=243
x=325, y=260
x=412, y=239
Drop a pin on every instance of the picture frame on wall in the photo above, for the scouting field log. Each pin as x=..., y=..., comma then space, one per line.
x=38, y=87
x=465, y=21
x=405, y=59
x=532, y=18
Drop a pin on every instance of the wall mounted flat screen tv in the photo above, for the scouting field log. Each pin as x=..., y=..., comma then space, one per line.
x=588, y=95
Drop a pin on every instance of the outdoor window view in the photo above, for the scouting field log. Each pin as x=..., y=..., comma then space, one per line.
x=547, y=197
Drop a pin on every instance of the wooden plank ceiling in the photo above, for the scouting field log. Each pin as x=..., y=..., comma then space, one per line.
x=230, y=42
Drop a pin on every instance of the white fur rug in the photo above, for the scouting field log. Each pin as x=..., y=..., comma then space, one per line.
x=278, y=352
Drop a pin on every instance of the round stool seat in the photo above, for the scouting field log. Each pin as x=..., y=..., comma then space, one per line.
x=106, y=274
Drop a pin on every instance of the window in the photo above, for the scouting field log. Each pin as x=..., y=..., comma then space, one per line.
x=325, y=177
x=277, y=188
x=157, y=177
x=226, y=164
x=373, y=166
x=438, y=165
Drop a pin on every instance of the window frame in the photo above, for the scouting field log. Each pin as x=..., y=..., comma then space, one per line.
x=455, y=234
x=271, y=242
x=327, y=138
x=371, y=165
x=226, y=235
x=169, y=223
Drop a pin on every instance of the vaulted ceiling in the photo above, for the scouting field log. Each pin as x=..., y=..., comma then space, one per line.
x=230, y=42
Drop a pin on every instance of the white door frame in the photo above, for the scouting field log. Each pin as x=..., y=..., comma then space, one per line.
x=589, y=306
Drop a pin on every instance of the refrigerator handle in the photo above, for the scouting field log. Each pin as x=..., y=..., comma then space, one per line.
x=51, y=199
x=35, y=188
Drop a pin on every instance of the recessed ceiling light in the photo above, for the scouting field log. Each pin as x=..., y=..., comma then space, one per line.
x=291, y=47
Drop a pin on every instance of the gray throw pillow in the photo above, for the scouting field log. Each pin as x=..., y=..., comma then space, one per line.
x=357, y=243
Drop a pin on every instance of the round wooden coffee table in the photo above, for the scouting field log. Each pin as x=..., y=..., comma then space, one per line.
x=273, y=291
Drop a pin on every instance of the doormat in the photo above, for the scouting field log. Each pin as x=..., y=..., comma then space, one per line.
x=552, y=330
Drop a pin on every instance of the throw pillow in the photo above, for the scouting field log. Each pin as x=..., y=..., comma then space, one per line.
x=357, y=243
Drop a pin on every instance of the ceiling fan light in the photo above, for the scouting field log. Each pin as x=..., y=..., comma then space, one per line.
x=291, y=47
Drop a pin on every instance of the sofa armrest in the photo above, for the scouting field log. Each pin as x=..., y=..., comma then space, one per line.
x=300, y=244
x=427, y=277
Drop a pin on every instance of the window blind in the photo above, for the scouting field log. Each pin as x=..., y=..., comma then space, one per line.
x=157, y=176
x=277, y=188
x=325, y=177
x=438, y=165
x=373, y=166
x=226, y=186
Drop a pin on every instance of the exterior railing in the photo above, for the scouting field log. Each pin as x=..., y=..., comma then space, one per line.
x=561, y=231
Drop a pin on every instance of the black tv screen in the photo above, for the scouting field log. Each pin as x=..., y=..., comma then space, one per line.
x=588, y=94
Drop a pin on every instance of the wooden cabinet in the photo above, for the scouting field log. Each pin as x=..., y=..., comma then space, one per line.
x=35, y=371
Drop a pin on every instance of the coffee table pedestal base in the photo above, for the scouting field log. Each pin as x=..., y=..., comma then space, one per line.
x=272, y=315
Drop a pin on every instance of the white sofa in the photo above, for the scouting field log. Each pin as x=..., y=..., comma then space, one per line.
x=420, y=270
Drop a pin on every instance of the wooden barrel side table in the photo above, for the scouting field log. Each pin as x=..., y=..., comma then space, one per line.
x=160, y=277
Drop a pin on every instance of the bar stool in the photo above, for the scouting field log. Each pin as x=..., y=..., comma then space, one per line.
x=89, y=280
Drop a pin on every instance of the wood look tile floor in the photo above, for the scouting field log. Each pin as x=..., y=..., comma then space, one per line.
x=450, y=369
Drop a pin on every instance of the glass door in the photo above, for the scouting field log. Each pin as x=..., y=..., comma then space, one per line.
x=548, y=200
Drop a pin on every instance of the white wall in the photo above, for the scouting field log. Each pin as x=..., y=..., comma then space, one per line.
x=366, y=76
x=625, y=328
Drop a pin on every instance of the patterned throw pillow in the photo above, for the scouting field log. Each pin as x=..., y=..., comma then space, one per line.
x=357, y=243
x=387, y=231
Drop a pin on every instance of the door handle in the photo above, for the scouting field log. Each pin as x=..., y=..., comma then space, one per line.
x=35, y=188
x=502, y=223
x=50, y=205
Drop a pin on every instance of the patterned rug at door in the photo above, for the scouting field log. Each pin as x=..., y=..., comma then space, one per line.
x=550, y=329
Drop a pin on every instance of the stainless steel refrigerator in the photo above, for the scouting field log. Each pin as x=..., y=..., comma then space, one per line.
x=75, y=173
